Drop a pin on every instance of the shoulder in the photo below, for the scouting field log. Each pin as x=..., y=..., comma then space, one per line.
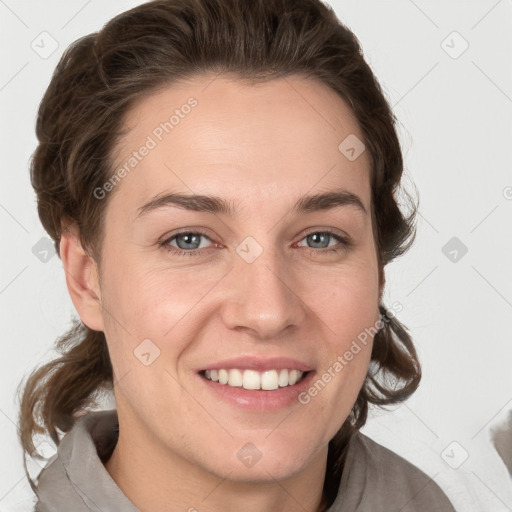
x=378, y=479
x=76, y=471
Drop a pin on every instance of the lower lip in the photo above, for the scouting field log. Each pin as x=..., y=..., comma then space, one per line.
x=258, y=399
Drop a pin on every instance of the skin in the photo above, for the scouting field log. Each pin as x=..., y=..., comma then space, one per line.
x=261, y=146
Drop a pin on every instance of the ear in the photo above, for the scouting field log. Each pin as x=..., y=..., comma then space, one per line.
x=82, y=278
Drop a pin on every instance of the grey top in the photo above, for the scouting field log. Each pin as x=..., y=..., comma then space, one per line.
x=374, y=479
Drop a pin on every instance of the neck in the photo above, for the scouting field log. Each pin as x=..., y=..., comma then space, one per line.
x=153, y=478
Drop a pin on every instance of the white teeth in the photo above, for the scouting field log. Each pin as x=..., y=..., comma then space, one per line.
x=223, y=377
x=269, y=380
x=283, y=378
x=235, y=378
x=252, y=379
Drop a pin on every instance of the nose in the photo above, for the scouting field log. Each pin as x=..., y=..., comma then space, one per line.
x=263, y=298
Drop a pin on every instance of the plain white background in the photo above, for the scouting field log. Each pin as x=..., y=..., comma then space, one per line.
x=445, y=68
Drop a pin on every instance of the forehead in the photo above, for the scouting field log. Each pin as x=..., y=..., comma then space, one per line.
x=221, y=136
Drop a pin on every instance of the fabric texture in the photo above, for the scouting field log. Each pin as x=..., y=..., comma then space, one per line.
x=374, y=478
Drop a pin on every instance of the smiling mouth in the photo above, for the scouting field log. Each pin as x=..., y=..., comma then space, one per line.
x=268, y=380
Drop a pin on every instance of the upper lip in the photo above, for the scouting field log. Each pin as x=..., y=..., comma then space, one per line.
x=258, y=363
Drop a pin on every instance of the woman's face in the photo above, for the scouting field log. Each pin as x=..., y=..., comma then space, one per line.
x=255, y=285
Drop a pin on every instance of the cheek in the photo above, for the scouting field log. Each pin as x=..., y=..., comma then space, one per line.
x=151, y=302
x=347, y=300
x=348, y=309
x=156, y=304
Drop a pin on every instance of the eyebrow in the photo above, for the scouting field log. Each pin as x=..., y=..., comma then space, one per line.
x=218, y=205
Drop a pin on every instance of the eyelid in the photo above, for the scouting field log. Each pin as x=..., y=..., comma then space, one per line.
x=323, y=229
x=166, y=239
x=203, y=231
x=344, y=240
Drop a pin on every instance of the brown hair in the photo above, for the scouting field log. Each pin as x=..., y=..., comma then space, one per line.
x=80, y=119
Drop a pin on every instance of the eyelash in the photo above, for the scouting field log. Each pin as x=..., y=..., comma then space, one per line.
x=345, y=243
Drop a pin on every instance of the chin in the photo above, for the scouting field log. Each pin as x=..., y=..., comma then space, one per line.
x=266, y=461
x=277, y=468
